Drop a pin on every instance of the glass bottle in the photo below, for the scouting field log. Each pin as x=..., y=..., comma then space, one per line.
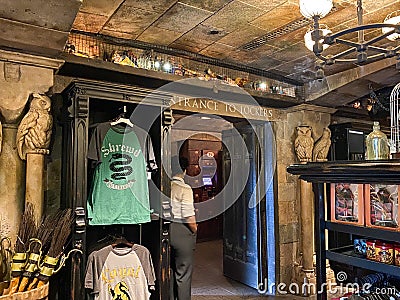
x=377, y=144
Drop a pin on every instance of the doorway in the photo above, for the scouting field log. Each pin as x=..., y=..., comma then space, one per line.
x=235, y=248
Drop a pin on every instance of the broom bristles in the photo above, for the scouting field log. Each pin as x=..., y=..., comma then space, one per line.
x=61, y=233
x=45, y=231
x=27, y=228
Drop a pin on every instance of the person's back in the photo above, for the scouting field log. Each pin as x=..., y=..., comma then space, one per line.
x=183, y=232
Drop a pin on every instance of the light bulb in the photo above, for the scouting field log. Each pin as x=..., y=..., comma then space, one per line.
x=167, y=67
x=312, y=8
x=263, y=86
x=393, y=18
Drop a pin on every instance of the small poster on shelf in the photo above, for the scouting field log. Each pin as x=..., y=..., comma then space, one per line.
x=381, y=207
x=347, y=203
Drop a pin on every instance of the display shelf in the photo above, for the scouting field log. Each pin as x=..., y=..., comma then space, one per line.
x=319, y=174
x=375, y=233
x=373, y=171
x=98, y=70
x=345, y=255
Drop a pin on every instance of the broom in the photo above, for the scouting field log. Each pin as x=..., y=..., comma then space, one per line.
x=60, y=236
x=27, y=229
x=40, y=245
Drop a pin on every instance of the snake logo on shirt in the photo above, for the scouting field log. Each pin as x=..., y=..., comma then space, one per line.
x=120, y=165
x=120, y=291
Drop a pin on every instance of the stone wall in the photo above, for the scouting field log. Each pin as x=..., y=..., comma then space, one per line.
x=288, y=196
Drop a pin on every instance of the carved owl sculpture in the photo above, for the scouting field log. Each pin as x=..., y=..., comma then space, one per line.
x=34, y=131
x=304, y=143
x=322, y=145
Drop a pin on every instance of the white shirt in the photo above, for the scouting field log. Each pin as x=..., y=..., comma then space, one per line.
x=181, y=199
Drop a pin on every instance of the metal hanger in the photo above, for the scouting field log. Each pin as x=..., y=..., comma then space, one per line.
x=122, y=119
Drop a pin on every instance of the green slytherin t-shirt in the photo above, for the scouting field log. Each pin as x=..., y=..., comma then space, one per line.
x=120, y=193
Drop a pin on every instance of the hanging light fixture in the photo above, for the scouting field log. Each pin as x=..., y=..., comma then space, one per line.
x=393, y=18
x=308, y=40
x=361, y=51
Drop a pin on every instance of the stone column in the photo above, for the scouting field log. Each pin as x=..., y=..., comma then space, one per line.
x=317, y=118
x=12, y=182
x=307, y=231
x=20, y=76
x=34, y=192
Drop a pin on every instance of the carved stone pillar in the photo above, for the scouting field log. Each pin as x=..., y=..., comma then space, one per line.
x=12, y=181
x=20, y=76
x=33, y=140
x=307, y=149
x=307, y=231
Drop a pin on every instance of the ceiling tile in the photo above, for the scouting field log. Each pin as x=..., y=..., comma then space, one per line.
x=182, y=18
x=232, y=16
x=202, y=32
x=210, y=5
x=265, y=4
x=278, y=17
x=242, y=36
x=379, y=14
x=131, y=19
x=159, y=6
x=193, y=45
x=100, y=7
x=298, y=65
x=266, y=63
x=289, y=39
x=343, y=14
x=119, y=34
x=217, y=50
x=89, y=22
x=53, y=14
x=372, y=5
x=238, y=56
x=156, y=35
x=291, y=52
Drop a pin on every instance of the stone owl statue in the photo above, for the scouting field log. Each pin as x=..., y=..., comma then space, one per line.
x=34, y=131
x=322, y=145
x=304, y=143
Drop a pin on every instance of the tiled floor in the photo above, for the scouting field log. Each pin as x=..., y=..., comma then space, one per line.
x=208, y=281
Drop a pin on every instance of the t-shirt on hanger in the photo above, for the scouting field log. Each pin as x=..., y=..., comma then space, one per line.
x=119, y=193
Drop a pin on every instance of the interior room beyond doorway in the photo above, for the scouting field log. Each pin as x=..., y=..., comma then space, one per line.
x=199, y=138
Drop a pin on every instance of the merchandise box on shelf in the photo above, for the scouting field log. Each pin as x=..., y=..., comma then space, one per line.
x=381, y=206
x=347, y=203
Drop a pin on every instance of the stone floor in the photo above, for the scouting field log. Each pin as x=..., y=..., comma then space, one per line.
x=210, y=284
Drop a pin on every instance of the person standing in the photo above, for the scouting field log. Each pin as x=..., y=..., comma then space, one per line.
x=183, y=232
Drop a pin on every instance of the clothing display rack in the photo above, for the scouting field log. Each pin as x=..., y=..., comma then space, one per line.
x=89, y=102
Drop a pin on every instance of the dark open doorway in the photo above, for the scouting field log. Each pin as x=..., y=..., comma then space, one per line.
x=231, y=252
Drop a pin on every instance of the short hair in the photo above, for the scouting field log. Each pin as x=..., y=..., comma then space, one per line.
x=179, y=164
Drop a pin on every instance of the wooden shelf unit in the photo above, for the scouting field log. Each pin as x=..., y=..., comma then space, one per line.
x=384, y=171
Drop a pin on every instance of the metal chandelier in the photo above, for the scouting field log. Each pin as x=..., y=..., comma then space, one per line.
x=362, y=51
